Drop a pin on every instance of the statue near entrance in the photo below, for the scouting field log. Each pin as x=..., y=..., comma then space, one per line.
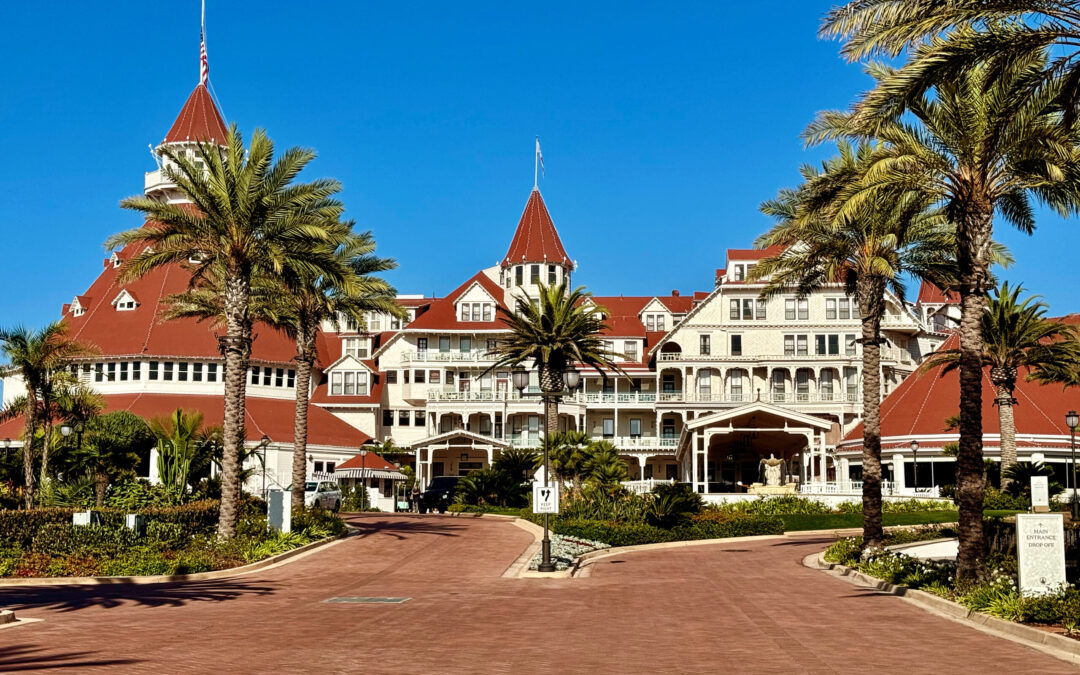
x=772, y=477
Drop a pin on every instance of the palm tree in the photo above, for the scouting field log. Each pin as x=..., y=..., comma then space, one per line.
x=944, y=38
x=179, y=439
x=250, y=220
x=604, y=468
x=520, y=463
x=1016, y=334
x=299, y=302
x=569, y=451
x=40, y=359
x=868, y=252
x=981, y=147
x=561, y=330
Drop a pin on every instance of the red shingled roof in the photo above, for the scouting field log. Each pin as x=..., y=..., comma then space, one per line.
x=921, y=403
x=929, y=294
x=535, y=239
x=370, y=462
x=199, y=120
x=265, y=416
x=442, y=314
x=753, y=253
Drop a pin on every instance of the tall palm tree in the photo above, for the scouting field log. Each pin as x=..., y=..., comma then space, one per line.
x=560, y=331
x=1016, y=334
x=40, y=359
x=298, y=302
x=980, y=147
x=249, y=219
x=868, y=252
x=944, y=38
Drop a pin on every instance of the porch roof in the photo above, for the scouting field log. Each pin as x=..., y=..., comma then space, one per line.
x=467, y=437
x=759, y=407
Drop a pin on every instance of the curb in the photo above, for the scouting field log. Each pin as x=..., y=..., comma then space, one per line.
x=265, y=563
x=1055, y=645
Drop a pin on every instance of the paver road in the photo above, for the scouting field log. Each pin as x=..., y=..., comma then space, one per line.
x=747, y=607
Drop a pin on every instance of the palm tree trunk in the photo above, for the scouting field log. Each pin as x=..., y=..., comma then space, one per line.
x=305, y=358
x=236, y=346
x=871, y=294
x=28, y=447
x=1007, y=425
x=47, y=440
x=973, y=232
x=551, y=383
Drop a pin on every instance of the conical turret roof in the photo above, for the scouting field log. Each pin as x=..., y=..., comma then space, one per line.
x=199, y=120
x=536, y=239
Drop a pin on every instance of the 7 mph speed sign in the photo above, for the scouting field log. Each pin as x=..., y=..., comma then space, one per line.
x=545, y=498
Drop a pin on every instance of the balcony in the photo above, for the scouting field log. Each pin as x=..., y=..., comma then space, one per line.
x=155, y=180
x=435, y=356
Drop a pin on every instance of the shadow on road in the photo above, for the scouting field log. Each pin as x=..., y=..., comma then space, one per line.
x=27, y=657
x=72, y=598
x=402, y=528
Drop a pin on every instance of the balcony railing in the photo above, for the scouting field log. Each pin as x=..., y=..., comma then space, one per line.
x=435, y=356
x=435, y=395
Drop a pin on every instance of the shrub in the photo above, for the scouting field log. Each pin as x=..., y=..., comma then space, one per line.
x=17, y=528
x=845, y=551
x=139, y=494
x=93, y=540
x=168, y=535
x=593, y=503
x=671, y=504
x=611, y=533
x=784, y=505
x=995, y=499
x=316, y=524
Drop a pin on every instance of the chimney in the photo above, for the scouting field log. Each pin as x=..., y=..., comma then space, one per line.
x=675, y=293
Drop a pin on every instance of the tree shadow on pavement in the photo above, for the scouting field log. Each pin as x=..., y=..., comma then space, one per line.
x=27, y=657
x=402, y=529
x=72, y=598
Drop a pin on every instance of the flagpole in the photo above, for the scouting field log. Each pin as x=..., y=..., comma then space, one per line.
x=536, y=162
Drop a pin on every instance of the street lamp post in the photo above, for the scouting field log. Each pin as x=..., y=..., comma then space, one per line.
x=265, y=444
x=915, y=457
x=570, y=380
x=1071, y=421
x=363, y=479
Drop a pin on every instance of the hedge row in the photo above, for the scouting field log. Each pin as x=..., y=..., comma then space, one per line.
x=624, y=534
x=18, y=529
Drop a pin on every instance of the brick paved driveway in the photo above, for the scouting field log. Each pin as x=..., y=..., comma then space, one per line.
x=741, y=607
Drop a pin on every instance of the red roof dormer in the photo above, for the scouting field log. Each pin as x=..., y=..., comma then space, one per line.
x=199, y=120
x=929, y=294
x=536, y=239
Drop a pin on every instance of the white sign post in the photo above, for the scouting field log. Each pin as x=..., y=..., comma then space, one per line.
x=1040, y=552
x=545, y=498
x=1040, y=494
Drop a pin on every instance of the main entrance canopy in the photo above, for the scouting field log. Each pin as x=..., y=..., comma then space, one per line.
x=454, y=453
x=721, y=452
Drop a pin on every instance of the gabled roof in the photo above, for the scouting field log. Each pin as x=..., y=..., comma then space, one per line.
x=929, y=294
x=442, y=314
x=199, y=120
x=469, y=436
x=369, y=462
x=536, y=239
x=753, y=253
x=759, y=407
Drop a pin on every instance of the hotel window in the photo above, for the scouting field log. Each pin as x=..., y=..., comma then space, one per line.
x=667, y=428
x=534, y=274
x=667, y=383
x=181, y=371
x=789, y=345
x=740, y=272
x=405, y=376
x=388, y=418
x=123, y=371
x=465, y=344
x=704, y=380
x=660, y=321
x=635, y=427
x=830, y=308
x=800, y=345
x=650, y=322
x=551, y=275
x=351, y=324
x=418, y=418
x=168, y=370
x=519, y=275
x=86, y=372
x=136, y=370
x=349, y=383
x=789, y=309
x=489, y=312
x=804, y=309
x=826, y=384
x=630, y=351
x=779, y=384
x=152, y=372
x=99, y=372
x=357, y=347
x=374, y=322
x=444, y=343
x=760, y=310
x=476, y=311
x=609, y=427
x=736, y=345
x=704, y=345
x=395, y=323
x=736, y=379
x=845, y=308
x=279, y=377
x=849, y=344
x=196, y=372
x=403, y=418
x=834, y=345
x=267, y=376
x=733, y=314
x=819, y=344
x=211, y=372
x=435, y=376
x=492, y=345
x=111, y=369
x=420, y=376
x=802, y=385
x=391, y=377
x=852, y=377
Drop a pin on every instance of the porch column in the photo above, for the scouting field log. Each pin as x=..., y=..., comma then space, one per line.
x=641, y=466
x=694, y=459
x=898, y=471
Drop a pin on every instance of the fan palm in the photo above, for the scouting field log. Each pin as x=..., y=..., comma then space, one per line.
x=1016, y=334
x=981, y=147
x=520, y=463
x=868, y=252
x=604, y=469
x=556, y=333
x=40, y=359
x=569, y=451
x=250, y=220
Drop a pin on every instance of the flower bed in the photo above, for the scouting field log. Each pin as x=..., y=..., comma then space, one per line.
x=994, y=593
x=178, y=540
x=565, y=550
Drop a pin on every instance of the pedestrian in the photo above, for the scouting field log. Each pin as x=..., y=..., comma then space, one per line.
x=416, y=498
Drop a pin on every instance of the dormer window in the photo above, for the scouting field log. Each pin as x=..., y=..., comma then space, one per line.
x=77, y=308
x=349, y=383
x=655, y=322
x=115, y=260
x=476, y=311
x=125, y=302
x=739, y=273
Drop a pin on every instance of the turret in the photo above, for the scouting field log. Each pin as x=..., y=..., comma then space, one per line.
x=536, y=255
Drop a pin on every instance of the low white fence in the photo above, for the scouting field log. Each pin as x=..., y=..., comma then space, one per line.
x=640, y=487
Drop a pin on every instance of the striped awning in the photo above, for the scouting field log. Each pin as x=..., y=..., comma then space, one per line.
x=369, y=473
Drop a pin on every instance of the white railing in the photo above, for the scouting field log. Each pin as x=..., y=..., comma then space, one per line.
x=888, y=489
x=435, y=356
x=670, y=356
x=644, y=442
x=640, y=487
x=436, y=395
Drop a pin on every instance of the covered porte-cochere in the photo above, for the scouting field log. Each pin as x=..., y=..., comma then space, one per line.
x=454, y=453
x=722, y=452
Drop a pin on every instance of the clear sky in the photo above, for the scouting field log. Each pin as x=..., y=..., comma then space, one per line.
x=663, y=128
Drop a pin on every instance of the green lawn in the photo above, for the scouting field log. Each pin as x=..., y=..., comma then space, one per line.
x=838, y=521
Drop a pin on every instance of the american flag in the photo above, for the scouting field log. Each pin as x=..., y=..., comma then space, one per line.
x=204, y=65
x=540, y=155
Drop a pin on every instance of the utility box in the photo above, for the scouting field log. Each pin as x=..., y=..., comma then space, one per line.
x=136, y=522
x=86, y=518
x=279, y=510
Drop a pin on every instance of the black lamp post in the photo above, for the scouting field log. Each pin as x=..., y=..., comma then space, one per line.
x=1071, y=421
x=265, y=443
x=571, y=380
x=915, y=456
x=363, y=479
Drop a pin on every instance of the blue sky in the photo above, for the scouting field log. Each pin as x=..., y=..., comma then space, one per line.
x=662, y=129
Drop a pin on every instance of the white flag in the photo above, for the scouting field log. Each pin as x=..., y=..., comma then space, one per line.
x=540, y=156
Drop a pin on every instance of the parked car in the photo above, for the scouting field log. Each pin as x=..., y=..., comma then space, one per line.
x=325, y=494
x=439, y=494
